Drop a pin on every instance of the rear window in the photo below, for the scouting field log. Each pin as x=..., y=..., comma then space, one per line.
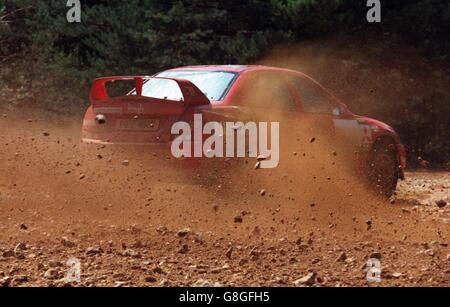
x=162, y=89
x=214, y=84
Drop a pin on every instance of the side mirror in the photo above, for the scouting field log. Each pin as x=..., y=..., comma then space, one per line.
x=336, y=111
x=341, y=110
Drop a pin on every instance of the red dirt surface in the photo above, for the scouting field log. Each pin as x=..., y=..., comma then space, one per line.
x=59, y=200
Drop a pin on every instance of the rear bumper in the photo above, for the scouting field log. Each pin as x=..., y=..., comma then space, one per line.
x=93, y=141
x=102, y=136
x=100, y=142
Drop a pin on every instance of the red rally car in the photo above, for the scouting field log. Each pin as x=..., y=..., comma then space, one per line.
x=146, y=111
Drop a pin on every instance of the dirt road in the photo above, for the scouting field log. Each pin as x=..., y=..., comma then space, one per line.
x=138, y=218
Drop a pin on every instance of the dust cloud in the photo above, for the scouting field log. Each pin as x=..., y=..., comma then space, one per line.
x=138, y=216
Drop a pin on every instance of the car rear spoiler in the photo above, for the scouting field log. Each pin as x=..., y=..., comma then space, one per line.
x=192, y=95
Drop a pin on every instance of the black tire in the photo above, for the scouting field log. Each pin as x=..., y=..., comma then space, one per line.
x=383, y=168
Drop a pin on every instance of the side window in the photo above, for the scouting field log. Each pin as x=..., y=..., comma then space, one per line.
x=313, y=98
x=267, y=91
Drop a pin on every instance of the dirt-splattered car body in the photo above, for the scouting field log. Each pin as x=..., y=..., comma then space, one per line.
x=227, y=93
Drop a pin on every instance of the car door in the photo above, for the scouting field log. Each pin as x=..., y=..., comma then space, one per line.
x=329, y=118
x=265, y=98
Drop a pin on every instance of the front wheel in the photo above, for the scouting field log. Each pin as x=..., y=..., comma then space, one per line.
x=383, y=168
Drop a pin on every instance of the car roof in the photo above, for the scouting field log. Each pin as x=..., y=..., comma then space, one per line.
x=233, y=68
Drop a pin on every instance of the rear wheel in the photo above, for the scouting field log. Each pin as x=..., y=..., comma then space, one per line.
x=383, y=168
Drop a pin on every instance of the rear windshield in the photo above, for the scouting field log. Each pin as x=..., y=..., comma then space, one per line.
x=214, y=84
